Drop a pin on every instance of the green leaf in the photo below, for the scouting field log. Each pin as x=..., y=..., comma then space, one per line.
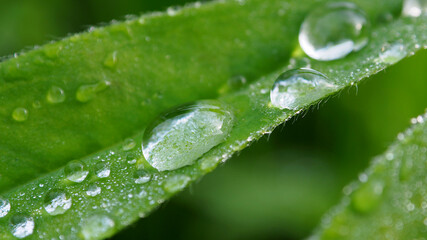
x=118, y=78
x=390, y=198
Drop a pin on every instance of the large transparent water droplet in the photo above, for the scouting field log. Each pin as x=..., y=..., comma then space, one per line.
x=141, y=176
x=86, y=93
x=21, y=225
x=180, y=137
x=97, y=226
x=75, y=171
x=55, y=95
x=297, y=88
x=368, y=196
x=20, y=114
x=93, y=190
x=176, y=183
x=414, y=8
x=129, y=144
x=102, y=170
x=57, y=201
x=4, y=207
x=333, y=31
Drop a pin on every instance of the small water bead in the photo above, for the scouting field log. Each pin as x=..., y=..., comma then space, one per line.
x=86, y=93
x=181, y=136
x=57, y=201
x=55, y=95
x=75, y=171
x=333, y=31
x=4, y=207
x=102, y=170
x=368, y=196
x=20, y=114
x=393, y=53
x=129, y=144
x=93, y=190
x=299, y=87
x=141, y=176
x=21, y=225
x=111, y=60
x=97, y=226
x=176, y=183
x=414, y=8
x=37, y=104
x=233, y=83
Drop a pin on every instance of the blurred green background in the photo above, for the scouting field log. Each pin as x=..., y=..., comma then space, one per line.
x=280, y=186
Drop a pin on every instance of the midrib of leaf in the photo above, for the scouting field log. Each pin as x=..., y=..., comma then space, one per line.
x=399, y=209
x=254, y=118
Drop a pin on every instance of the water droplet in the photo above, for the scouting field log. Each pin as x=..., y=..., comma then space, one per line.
x=176, y=183
x=102, y=170
x=368, y=196
x=414, y=8
x=21, y=225
x=181, y=136
x=37, y=104
x=297, y=88
x=93, y=190
x=129, y=144
x=333, y=31
x=4, y=207
x=209, y=163
x=141, y=176
x=57, y=201
x=233, y=83
x=75, y=171
x=20, y=114
x=393, y=53
x=111, y=60
x=98, y=226
x=86, y=93
x=55, y=95
x=52, y=50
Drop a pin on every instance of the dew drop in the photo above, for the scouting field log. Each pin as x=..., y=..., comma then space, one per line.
x=368, y=196
x=55, y=95
x=297, y=88
x=208, y=164
x=233, y=83
x=333, y=31
x=20, y=114
x=393, y=53
x=21, y=225
x=57, y=201
x=176, y=183
x=179, y=137
x=4, y=207
x=75, y=171
x=86, y=93
x=111, y=60
x=93, y=190
x=102, y=170
x=98, y=226
x=37, y=104
x=129, y=144
x=141, y=176
x=414, y=8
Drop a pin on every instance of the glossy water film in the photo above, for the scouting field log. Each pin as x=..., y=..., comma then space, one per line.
x=333, y=31
x=181, y=136
x=297, y=88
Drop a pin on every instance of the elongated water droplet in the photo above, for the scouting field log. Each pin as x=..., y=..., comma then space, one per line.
x=4, y=207
x=129, y=144
x=75, y=171
x=393, y=53
x=55, y=95
x=97, y=226
x=176, y=183
x=20, y=114
x=333, y=31
x=414, y=8
x=368, y=196
x=21, y=225
x=141, y=176
x=111, y=60
x=297, y=88
x=180, y=137
x=102, y=170
x=86, y=93
x=93, y=190
x=57, y=201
